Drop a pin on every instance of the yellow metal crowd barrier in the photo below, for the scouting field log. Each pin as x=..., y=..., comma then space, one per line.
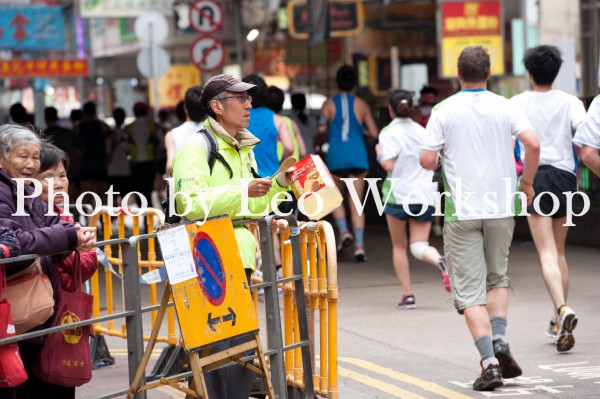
x=147, y=263
x=319, y=271
x=310, y=270
x=319, y=274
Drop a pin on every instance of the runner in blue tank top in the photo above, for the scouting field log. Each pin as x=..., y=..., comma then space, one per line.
x=263, y=127
x=347, y=148
x=268, y=127
x=347, y=117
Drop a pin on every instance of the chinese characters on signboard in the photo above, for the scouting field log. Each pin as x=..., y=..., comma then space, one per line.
x=43, y=68
x=471, y=23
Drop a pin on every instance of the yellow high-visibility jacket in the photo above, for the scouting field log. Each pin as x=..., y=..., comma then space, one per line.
x=219, y=193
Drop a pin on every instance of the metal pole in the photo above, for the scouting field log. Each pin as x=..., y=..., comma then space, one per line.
x=239, y=37
x=395, y=67
x=524, y=16
x=135, y=334
x=154, y=70
x=274, y=332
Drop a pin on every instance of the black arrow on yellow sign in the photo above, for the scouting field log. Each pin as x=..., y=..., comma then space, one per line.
x=225, y=318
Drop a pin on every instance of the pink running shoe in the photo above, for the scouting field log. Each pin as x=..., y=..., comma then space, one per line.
x=407, y=302
x=441, y=266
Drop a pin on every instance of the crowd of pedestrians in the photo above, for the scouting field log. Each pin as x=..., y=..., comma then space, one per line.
x=470, y=140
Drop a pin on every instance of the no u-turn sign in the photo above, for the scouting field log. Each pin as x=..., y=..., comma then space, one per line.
x=206, y=16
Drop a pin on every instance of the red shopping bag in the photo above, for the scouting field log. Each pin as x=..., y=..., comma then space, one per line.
x=12, y=370
x=65, y=358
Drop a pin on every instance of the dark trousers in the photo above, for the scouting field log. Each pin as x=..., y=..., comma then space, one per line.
x=142, y=179
x=232, y=382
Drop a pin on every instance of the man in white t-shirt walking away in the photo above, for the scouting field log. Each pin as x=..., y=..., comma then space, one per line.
x=195, y=115
x=474, y=132
x=555, y=115
x=588, y=137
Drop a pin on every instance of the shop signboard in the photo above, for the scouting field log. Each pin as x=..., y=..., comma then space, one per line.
x=13, y=3
x=380, y=73
x=32, y=28
x=471, y=23
x=173, y=84
x=346, y=18
x=122, y=8
x=68, y=68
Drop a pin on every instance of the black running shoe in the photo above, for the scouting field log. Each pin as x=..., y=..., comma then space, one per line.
x=490, y=379
x=510, y=368
x=345, y=240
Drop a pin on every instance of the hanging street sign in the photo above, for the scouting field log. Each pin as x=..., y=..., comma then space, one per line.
x=173, y=84
x=207, y=53
x=32, y=28
x=43, y=67
x=151, y=28
x=147, y=67
x=121, y=8
x=346, y=18
x=206, y=16
x=471, y=23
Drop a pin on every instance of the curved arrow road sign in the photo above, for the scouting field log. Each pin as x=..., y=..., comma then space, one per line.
x=206, y=16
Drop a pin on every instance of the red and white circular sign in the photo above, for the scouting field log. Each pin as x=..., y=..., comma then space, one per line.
x=206, y=16
x=207, y=53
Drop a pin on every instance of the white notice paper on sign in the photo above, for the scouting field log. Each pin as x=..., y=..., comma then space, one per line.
x=177, y=255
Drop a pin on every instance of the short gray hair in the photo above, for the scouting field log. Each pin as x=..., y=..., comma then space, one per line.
x=12, y=135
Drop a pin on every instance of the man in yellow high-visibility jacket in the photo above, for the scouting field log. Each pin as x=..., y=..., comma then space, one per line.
x=228, y=187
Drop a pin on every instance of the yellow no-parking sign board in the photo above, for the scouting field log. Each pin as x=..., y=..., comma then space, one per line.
x=215, y=305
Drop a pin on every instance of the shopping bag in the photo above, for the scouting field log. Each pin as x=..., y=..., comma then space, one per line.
x=32, y=300
x=12, y=370
x=65, y=358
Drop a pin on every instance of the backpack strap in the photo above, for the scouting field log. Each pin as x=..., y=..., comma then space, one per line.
x=252, y=170
x=213, y=151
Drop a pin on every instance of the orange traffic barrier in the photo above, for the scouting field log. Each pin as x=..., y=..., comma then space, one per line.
x=146, y=263
x=319, y=271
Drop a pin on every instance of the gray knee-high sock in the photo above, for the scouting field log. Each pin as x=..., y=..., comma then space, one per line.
x=486, y=350
x=498, y=328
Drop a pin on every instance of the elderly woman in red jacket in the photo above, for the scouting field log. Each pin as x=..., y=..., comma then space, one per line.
x=37, y=232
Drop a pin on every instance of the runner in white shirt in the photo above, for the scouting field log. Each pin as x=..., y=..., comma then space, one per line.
x=555, y=115
x=588, y=137
x=175, y=139
x=473, y=129
x=408, y=193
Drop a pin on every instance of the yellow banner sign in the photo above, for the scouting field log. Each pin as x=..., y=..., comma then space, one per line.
x=173, y=84
x=452, y=46
x=216, y=305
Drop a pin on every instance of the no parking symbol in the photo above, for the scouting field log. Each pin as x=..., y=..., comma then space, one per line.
x=211, y=272
x=207, y=53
